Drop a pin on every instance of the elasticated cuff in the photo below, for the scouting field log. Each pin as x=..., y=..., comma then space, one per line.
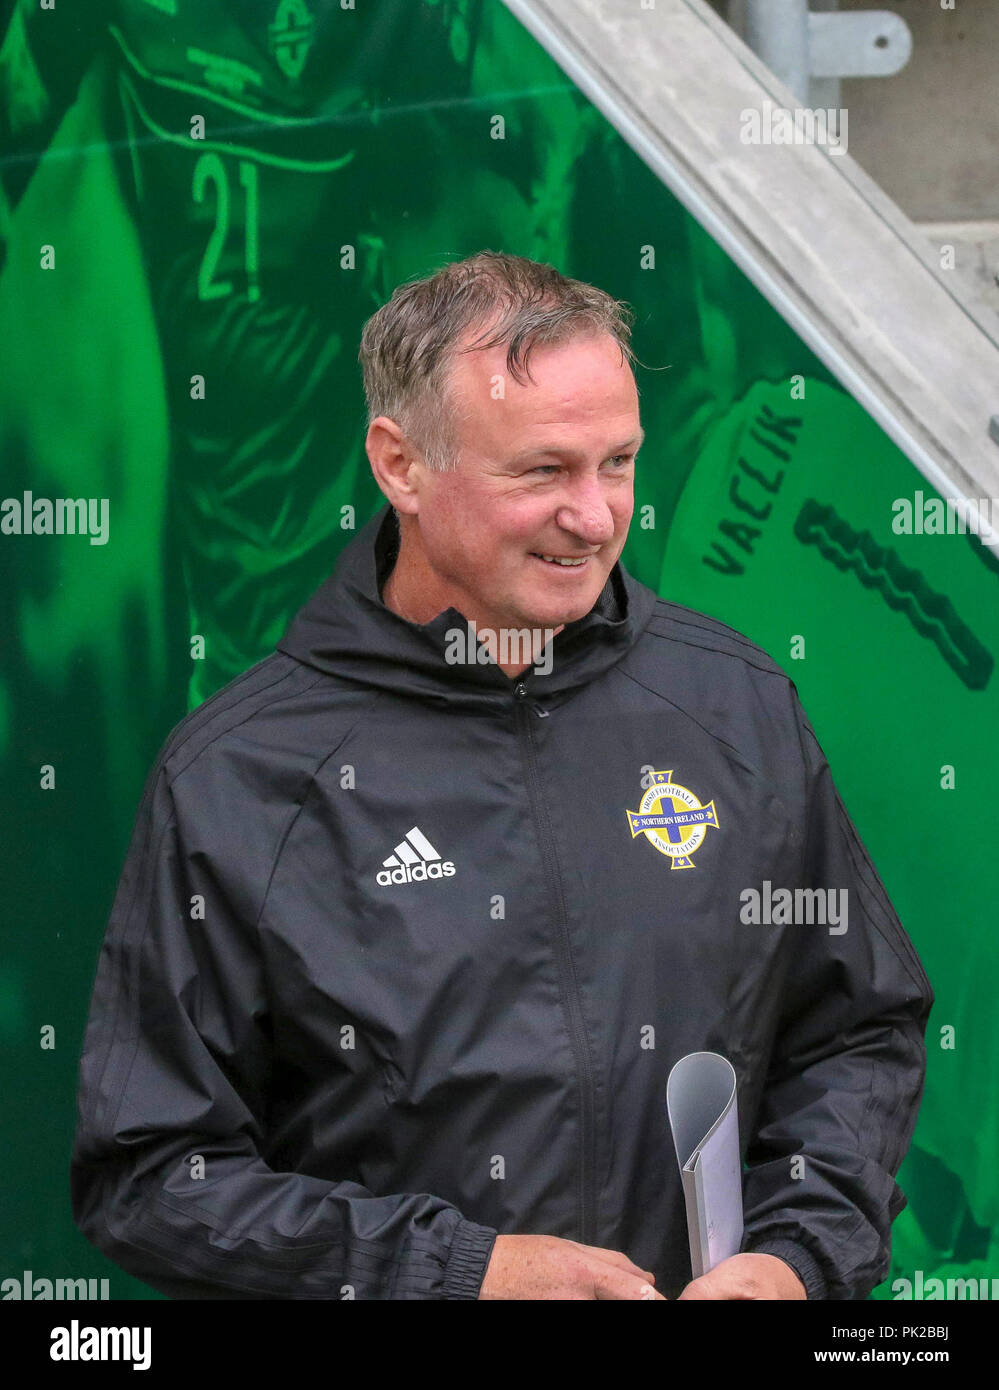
x=802, y=1261
x=467, y=1259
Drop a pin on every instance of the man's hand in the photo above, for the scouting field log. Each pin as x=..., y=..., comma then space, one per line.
x=549, y=1267
x=747, y=1276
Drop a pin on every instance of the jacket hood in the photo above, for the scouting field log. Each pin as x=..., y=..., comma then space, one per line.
x=346, y=630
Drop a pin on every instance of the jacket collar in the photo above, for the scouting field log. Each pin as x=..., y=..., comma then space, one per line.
x=346, y=630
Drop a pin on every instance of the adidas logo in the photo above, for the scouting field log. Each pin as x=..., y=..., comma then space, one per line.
x=413, y=860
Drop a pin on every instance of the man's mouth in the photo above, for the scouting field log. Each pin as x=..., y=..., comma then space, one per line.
x=562, y=561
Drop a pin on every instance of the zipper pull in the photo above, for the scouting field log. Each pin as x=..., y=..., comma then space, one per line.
x=520, y=693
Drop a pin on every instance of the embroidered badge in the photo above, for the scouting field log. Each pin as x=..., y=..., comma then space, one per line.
x=673, y=820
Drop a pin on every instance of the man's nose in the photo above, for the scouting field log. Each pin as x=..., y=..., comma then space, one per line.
x=587, y=514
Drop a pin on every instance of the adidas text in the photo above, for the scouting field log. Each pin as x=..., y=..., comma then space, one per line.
x=414, y=873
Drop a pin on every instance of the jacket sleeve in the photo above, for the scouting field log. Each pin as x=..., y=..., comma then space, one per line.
x=847, y=1069
x=167, y=1177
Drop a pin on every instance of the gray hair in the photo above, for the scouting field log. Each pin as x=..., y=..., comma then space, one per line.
x=409, y=345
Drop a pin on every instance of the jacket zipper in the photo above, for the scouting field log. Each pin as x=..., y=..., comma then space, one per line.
x=569, y=984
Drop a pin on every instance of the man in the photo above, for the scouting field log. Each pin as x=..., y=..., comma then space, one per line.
x=414, y=925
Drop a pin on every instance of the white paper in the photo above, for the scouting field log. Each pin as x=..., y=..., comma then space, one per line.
x=703, y=1114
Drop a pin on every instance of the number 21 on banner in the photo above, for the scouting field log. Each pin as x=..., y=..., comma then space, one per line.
x=211, y=168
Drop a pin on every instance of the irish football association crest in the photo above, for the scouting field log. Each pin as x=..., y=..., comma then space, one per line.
x=673, y=820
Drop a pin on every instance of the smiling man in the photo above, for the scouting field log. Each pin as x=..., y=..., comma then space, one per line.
x=393, y=983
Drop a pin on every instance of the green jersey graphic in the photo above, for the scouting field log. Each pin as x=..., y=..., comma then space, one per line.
x=254, y=142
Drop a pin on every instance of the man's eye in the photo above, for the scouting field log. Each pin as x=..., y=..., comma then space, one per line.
x=554, y=467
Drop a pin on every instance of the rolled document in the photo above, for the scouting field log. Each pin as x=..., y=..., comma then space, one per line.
x=703, y=1115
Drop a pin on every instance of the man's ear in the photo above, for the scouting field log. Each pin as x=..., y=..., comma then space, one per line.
x=395, y=463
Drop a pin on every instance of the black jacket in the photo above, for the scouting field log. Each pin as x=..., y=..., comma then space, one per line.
x=392, y=968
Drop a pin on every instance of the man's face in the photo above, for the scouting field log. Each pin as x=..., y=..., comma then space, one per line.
x=545, y=470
